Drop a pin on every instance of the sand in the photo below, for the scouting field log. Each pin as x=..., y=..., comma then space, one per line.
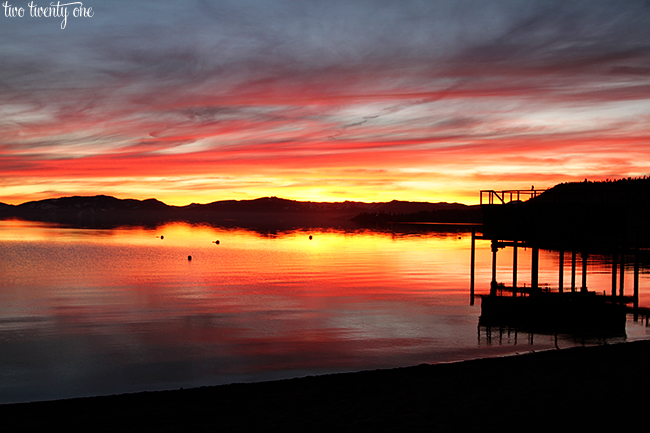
x=578, y=388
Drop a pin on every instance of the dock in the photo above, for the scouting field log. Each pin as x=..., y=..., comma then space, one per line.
x=580, y=220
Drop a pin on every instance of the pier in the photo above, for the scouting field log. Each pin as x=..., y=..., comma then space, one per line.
x=576, y=221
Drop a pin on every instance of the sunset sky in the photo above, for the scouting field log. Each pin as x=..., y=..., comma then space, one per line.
x=198, y=101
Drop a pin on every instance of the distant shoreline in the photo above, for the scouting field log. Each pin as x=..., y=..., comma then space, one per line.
x=436, y=223
x=586, y=387
x=269, y=212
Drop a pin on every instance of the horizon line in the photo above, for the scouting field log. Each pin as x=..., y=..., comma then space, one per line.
x=235, y=200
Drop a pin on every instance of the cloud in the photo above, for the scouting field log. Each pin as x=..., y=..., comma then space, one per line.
x=200, y=88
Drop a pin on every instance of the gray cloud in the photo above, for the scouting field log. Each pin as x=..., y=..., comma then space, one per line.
x=191, y=65
x=200, y=40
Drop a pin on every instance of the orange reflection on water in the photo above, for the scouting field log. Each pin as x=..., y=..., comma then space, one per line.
x=128, y=311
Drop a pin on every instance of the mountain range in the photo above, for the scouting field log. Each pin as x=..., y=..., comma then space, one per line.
x=105, y=210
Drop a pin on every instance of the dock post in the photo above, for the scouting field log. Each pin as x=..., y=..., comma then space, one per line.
x=472, y=264
x=561, y=282
x=614, y=266
x=493, y=284
x=514, y=270
x=621, y=283
x=534, y=277
x=636, y=283
x=584, y=256
x=573, y=271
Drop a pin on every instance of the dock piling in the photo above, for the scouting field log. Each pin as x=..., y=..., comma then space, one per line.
x=514, y=270
x=621, y=283
x=584, y=256
x=614, y=266
x=573, y=271
x=635, y=304
x=493, y=285
x=534, y=278
x=561, y=266
x=472, y=265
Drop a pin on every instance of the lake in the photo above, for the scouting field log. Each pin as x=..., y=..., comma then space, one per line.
x=102, y=311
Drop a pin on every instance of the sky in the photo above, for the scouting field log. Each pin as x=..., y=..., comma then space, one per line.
x=367, y=100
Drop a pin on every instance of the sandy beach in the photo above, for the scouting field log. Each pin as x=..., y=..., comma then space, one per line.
x=583, y=387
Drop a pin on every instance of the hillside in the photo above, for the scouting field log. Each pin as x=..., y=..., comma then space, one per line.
x=578, y=213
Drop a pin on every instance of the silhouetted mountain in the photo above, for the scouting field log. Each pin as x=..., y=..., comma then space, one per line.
x=94, y=203
x=274, y=204
x=98, y=210
x=103, y=210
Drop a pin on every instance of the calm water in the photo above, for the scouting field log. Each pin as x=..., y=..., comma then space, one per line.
x=91, y=312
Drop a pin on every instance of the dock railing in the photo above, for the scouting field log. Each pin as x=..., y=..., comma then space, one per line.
x=507, y=196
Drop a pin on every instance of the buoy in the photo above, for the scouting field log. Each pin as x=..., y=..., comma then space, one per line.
x=309, y=237
x=189, y=257
x=216, y=242
x=162, y=237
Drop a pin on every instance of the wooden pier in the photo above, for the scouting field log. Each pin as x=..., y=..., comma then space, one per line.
x=518, y=219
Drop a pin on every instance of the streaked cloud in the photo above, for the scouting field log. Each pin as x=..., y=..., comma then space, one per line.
x=366, y=100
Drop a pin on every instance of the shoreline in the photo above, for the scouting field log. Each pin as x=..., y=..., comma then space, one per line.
x=579, y=386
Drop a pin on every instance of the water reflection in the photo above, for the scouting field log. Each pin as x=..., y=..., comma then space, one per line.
x=99, y=311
